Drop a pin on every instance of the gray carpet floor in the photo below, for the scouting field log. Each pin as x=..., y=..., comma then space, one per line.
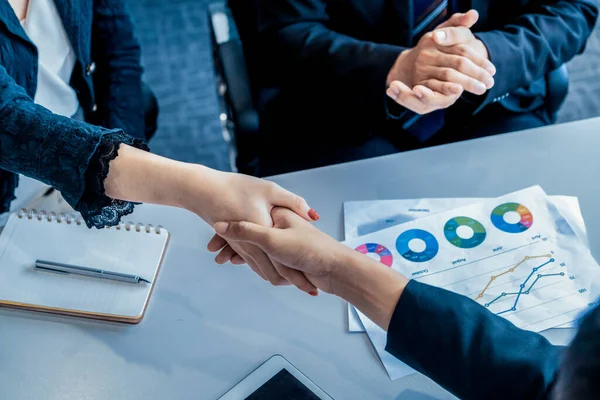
x=177, y=60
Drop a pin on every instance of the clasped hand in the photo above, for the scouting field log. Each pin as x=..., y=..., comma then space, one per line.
x=444, y=64
x=236, y=197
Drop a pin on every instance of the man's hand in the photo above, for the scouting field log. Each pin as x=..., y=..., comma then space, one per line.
x=456, y=38
x=443, y=64
x=292, y=243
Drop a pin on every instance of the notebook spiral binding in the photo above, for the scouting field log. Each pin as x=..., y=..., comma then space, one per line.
x=78, y=220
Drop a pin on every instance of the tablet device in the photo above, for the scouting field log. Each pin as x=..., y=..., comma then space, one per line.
x=276, y=379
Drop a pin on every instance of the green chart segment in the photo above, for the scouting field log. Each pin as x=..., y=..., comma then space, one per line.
x=451, y=232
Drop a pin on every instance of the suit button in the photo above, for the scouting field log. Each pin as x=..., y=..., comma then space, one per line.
x=90, y=68
x=95, y=108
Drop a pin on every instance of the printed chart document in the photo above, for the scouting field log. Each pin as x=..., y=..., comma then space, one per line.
x=364, y=217
x=515, y=255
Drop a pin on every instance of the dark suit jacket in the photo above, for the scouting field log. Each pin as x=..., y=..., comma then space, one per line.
x=471, y=352
x=331, y=58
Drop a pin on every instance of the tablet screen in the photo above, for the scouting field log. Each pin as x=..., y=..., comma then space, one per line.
x=283, y=385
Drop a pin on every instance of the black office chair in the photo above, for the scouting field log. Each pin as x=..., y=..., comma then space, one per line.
x=240, y=99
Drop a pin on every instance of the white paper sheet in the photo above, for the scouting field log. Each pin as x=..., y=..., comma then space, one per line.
x=364, y=217
x=538, y=276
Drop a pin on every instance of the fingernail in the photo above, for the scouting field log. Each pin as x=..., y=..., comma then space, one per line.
x=440, y=36
x=419, y=94
x=312, y=214
x=395, y=90
x=456, y=88
x=480, y=87
x=491, y=69
x=221, y=227
x=489, y=82
x=314, y=293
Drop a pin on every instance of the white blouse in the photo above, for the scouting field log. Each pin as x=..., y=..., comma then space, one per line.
x=56, y=58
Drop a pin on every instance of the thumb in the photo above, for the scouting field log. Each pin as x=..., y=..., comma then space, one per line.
x=243, y=232
x=466, y=20
x=297, y=204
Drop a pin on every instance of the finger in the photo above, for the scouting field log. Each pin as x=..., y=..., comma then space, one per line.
x=263, y=262
x=466, y=66
x=237, y=260
x=451, y=75
x=435, y=100
x=244, y=232
x=283, y=218
x=225, y=255
x=216, y=243
x=296, y=278
x=285, y=198
x=247, y=259
x=446, y=88
x=404, y=96
x=470, y=53
x=452, y=35
x=467, y=20
x=255, y=268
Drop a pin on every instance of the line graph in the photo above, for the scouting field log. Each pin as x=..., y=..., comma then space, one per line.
x=523, y=288
x=508, y=271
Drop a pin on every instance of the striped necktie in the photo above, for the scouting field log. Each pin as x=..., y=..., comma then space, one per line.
x=427, y=15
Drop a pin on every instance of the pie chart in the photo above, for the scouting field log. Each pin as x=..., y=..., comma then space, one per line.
x=385, y=256
x=464, y=232
x=424, y=238
x=523, y=219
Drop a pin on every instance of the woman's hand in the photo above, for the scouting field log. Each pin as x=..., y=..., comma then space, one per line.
x=138, y=176
x=294, y=243
x=235, y=197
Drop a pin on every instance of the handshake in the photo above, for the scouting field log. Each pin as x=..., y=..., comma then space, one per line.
x=445, y=63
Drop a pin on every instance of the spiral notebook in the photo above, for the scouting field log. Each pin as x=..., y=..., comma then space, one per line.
x=129, y=248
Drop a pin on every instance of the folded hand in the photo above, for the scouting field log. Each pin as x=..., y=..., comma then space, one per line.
x=445, y=62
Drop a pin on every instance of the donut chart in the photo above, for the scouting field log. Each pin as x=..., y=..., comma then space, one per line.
x=524, y=223
x=451, y=227
x=385, y=256
x=431, y=245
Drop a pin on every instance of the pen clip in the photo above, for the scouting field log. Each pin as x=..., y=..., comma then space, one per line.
x=57, y=271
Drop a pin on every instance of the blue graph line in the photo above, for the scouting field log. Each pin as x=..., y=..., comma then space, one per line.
x=522, y=291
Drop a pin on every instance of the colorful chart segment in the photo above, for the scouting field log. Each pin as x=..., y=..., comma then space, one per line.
x=451, y=227
x=524, y=223
x=431, y=245
x=385, y=256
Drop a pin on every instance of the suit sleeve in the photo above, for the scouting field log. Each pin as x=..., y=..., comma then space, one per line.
x=471, y=352
x=296, y=41
x=117, y=53
x=547, y=34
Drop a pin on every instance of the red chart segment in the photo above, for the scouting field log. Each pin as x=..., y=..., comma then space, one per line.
x=385, y=256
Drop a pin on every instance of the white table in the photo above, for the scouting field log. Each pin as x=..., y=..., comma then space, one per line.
x=208, y=326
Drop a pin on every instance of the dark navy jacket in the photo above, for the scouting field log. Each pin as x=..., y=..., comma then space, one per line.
x=468, y=350
x=331, y=58
x=106, y=78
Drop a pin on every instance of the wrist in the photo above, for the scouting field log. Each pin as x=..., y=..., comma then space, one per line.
x=398, y=71
x=198, y=189
x=370, y=286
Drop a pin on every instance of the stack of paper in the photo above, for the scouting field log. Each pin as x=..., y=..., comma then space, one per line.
x=523, y=256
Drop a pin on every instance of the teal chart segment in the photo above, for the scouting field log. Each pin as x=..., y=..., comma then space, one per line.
x=431, y=245
x=525, y=222
x=451, y=227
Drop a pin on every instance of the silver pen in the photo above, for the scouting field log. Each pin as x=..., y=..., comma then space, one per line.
x=51, y=266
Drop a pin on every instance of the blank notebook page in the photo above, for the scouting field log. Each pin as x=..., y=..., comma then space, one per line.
x=126, y=250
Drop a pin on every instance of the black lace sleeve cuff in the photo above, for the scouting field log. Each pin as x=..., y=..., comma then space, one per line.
x=97, y=209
